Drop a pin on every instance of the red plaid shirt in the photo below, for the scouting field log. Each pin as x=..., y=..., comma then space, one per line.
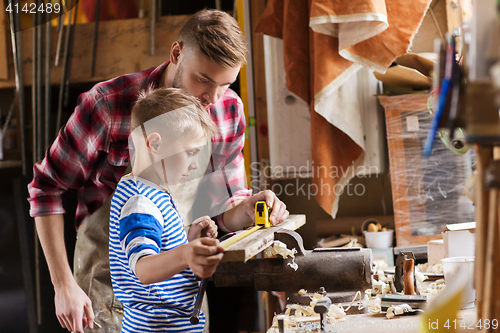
x=91, y=152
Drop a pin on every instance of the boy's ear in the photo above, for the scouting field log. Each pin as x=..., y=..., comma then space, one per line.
x=153, y=142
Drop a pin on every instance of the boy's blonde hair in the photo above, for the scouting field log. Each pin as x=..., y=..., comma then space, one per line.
x=173, y=112
x=217, y=35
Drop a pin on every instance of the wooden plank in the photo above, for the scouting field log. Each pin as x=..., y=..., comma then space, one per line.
x=123, y=47
x=10, y=164
x=4, y=37
x=259, y=240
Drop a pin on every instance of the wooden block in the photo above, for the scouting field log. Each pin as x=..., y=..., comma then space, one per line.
x=435, y=251
x=259, y=240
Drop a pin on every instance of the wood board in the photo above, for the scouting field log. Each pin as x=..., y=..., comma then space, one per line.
x=258, y=241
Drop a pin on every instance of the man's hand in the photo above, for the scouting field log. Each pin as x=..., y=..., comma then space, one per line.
x=203, y=256
x=202, y=227
x=71, y=305
x=243, y=212
x=279, y=213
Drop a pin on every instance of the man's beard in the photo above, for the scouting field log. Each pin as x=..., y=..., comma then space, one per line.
x=177, y=83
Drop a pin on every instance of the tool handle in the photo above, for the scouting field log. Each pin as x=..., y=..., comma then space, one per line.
x=195, y=316
x=409, y=276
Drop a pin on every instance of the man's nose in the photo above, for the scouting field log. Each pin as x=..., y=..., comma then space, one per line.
x=212, y=95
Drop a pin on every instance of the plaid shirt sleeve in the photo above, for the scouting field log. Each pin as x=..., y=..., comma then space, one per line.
x=70, y=159
x=225, y=180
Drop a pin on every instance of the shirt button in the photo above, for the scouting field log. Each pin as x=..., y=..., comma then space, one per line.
x=126, y=160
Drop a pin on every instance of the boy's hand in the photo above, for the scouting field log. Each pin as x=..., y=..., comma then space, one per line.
x=202, y=227
x=204, y=255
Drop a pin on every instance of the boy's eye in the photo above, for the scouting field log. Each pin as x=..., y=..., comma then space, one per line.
x=202, y=80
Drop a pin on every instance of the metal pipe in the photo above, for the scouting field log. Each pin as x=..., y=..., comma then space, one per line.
x=63, y=73
x=39, y=88
x=60, y=29
x=34, y=85
x=16, y=38
x=96, y=31
x=48, y=48
x=70, y=55
x=152, y=28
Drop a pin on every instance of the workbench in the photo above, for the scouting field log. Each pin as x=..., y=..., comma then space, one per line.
x=356, y=321
x=363, y=323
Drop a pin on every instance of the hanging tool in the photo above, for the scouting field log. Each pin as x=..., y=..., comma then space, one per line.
x=446, y=87
x=262, y=221
x=455, y=94
x=96, y=31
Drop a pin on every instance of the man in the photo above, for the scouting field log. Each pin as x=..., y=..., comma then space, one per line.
x=91, y=154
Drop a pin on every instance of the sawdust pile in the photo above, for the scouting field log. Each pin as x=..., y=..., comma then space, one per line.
x=300, y=316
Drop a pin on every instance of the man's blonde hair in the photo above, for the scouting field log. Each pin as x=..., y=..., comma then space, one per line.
x=217, y=35
x=172, y=111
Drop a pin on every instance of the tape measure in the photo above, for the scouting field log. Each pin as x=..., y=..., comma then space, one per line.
x=262, y=212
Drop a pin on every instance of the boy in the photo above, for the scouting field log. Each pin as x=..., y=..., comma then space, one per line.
x=152, y=262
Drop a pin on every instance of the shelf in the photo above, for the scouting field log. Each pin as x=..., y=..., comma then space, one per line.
x=10, y=164
x=123, y=47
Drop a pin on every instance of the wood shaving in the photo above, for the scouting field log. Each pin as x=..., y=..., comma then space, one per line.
x=432, y=269
x=435, y=288
x=297, y=315
x=372, y=306
x=397, y=310
x=281, y=249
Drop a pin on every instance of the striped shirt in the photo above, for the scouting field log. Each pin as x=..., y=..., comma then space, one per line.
x=144, y=220
x=91, y=152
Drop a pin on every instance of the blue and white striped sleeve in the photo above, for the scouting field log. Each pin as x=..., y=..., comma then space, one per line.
x=141, y=228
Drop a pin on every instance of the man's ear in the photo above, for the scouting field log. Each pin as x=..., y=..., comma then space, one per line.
x=175, y=52
x=153, y=142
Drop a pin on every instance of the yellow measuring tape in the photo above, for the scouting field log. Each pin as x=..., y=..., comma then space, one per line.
x=236, y=238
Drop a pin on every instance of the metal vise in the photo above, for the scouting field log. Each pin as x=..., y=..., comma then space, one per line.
x=340, y=271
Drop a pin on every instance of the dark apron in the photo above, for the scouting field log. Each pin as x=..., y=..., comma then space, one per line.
x=91, y=270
